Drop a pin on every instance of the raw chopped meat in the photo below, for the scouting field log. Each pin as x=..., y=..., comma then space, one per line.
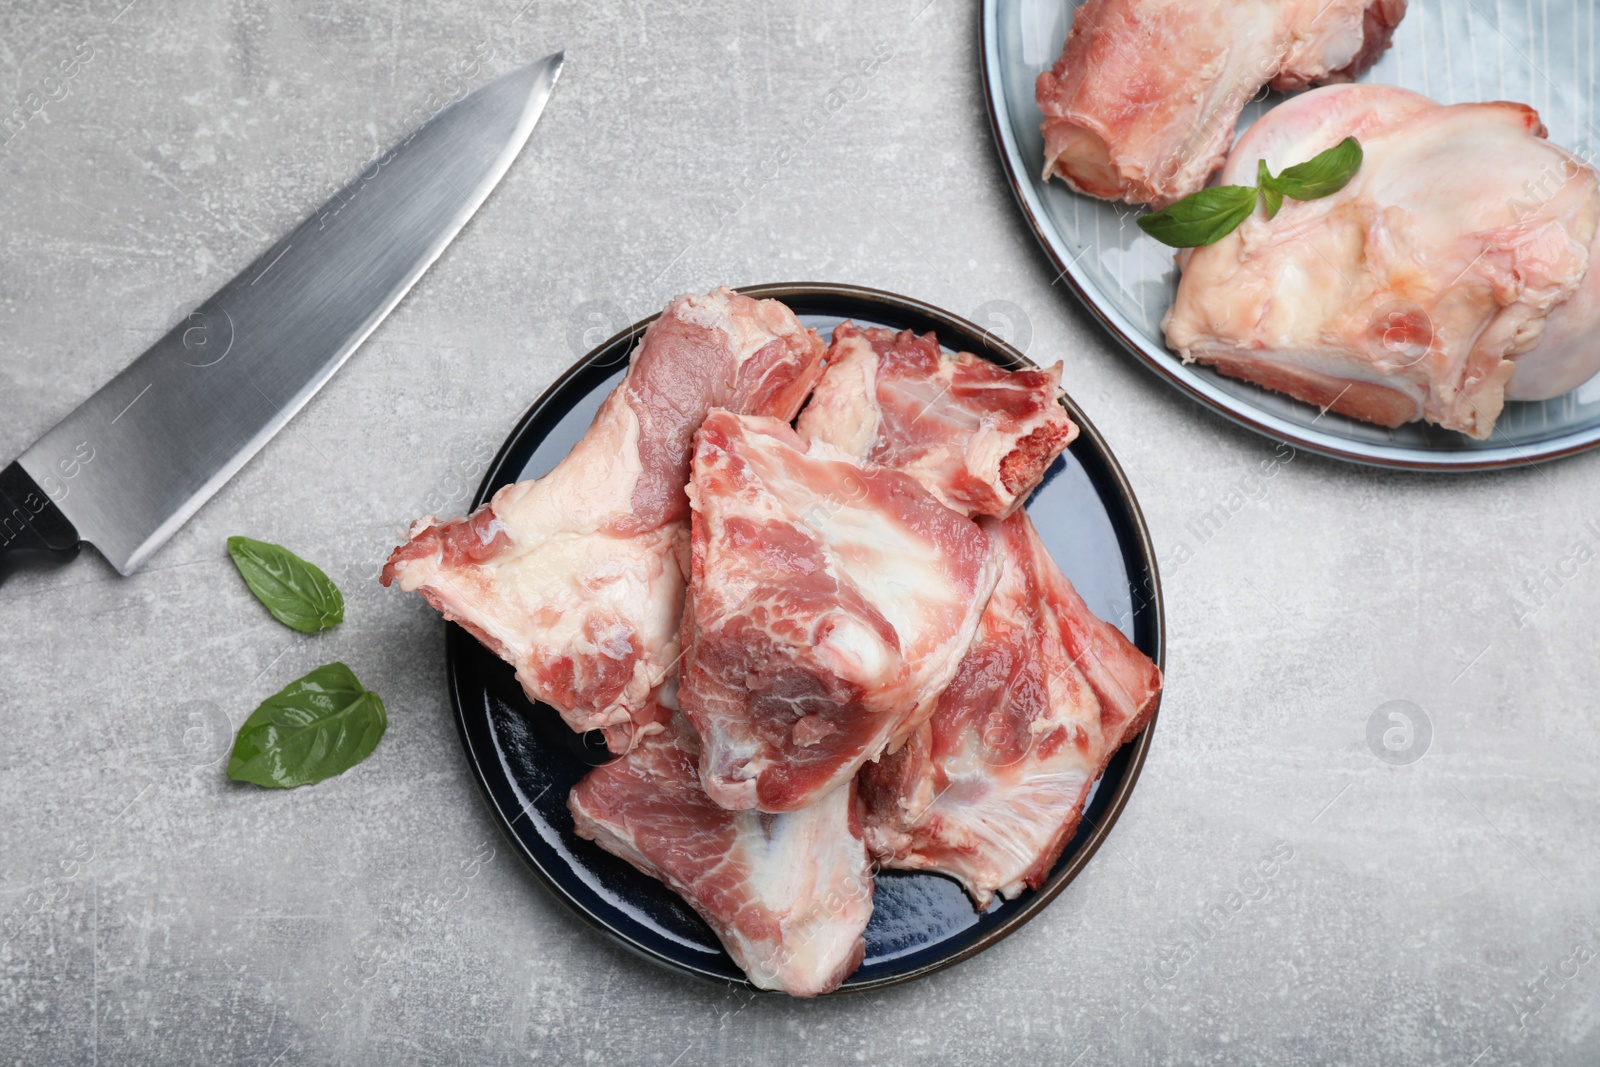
x=1142, y=104
x=829, y=605
x=977, y=436
x=789, y=895
x=992, y=787
x=577, y=578
x=1453, y=273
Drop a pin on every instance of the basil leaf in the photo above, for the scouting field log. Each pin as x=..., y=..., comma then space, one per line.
x=1323, y=175
x=1269, y=195
x=1203, y=218
x=297, y=593
x=1210, y=215
x=316, y=727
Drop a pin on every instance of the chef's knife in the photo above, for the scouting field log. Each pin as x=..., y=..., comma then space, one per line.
x=137, y=458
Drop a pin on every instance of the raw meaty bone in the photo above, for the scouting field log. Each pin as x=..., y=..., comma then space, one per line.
x=1453, y=273
x=1142, y=104
x=829, y=605
x=992, y=786
x=977, y=436
x=789, y=895
x=577, y=578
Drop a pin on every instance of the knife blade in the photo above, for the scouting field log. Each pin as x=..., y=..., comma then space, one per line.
x=134, y=461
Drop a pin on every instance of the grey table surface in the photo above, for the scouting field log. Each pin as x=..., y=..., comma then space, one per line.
x=1435, y=906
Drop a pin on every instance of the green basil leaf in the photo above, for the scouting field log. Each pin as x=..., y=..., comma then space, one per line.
x=316, y=727
x=297, y=593
x=1269, y=195
x=1203, y=218
x=1323, y=175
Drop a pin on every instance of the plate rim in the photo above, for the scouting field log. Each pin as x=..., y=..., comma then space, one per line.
x=1164, y=365
x=458, y=641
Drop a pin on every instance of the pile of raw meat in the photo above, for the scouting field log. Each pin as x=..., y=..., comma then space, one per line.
x=816, y=647
x=1454, y=274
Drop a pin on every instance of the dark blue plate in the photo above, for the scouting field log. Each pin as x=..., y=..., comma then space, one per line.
x=527, y=760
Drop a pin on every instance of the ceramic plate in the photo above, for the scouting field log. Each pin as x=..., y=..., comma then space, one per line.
x=1539, y=52
x=527, y=760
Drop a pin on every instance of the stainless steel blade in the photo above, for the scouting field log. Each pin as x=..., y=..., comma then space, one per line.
x=140, y=456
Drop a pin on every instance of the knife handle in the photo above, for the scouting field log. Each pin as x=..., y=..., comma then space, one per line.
x=33, y=531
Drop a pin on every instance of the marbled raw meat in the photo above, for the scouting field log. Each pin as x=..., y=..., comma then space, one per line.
x=977, y=436
x=829, y=605
x=788, y=895
x=577, y=578
x=992, y=787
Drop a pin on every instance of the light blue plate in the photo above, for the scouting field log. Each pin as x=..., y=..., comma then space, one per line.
x=1540, y=52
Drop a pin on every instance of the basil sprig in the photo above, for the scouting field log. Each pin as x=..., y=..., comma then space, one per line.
x=314, y=728
x=1208, y=216
x=1323, y=175
x=297, y=593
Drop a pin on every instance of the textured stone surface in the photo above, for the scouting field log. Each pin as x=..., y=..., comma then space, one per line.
x=152, y=912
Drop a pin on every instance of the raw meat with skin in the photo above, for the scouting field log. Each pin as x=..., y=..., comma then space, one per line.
x=992, y=787
x=789, y=895
x=577, y=578
x=977, y=436
x=829, y=605
x=1453, y=273
x=1143, y=102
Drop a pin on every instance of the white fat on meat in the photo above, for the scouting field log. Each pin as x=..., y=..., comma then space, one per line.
x=829, y=604
x=992, y=786
x=1451, y=274
x=577, y=578
x=977, y=436
x=788, y=895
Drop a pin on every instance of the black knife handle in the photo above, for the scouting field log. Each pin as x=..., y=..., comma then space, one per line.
x=33, y=531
